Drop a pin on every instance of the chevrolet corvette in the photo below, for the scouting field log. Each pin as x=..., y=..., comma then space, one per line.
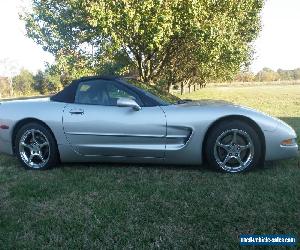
x=106, y=119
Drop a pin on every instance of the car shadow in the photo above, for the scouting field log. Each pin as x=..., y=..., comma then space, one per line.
x=106, y=165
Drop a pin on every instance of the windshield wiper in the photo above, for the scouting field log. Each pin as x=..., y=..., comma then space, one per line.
x=184, y=101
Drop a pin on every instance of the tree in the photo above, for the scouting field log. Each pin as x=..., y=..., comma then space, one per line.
x=48, y=81
x=8, y=68
x=297, y=74
x=23, y=83
x=244, y=76
x=289, y=74
x=39, y=82
x=4, y=87
x=267, y=75
x=159, y=39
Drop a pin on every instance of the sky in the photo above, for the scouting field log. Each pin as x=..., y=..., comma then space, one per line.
x=278, y=45
x=15, y=48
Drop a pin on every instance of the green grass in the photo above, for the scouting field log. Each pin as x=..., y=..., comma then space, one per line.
x=280, y=101
x=95, y=206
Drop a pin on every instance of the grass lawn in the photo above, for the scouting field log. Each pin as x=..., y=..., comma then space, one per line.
x=131, y=206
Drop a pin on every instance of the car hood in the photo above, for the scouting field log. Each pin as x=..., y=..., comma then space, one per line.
x=220, y=108
x=223, y=106
x=206, y=102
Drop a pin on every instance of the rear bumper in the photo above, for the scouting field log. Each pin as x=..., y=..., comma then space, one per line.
x=5, y=147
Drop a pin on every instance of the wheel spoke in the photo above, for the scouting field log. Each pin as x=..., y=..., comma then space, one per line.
x=240, y=161
x=227, y=158
x=33, y=136
x=43, y=144
x=31, y=158
x=244, y=147
x=26, y=145
x=224, y=146
x=234, y=137
x=41, y=157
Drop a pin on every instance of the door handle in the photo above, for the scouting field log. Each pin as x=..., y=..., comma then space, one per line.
x=76, y=111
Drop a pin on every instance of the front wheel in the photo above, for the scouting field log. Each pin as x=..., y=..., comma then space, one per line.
x=233, y=146
x=36, y=147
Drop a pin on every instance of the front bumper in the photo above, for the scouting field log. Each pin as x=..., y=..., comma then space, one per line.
x=290, y=151
x=274, y=148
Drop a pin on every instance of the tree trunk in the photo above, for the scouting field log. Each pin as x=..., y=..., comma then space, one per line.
x=11, y=90
x=169, y=87
x=182, y=88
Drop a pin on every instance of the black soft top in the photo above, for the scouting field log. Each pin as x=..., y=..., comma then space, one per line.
x=67, y=95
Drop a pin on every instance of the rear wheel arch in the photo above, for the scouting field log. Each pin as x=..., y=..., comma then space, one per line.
x=242, y=118
x=22, y=123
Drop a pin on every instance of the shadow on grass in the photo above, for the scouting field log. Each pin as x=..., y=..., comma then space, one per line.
x=204, y=168
x=105, y=165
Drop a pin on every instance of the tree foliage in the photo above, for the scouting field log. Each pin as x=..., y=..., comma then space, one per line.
x=167, y=40
x=4, y=87
x=244, y=76
x=289, y=74
x=47, y=81
x=267, y=75
x=23, y=82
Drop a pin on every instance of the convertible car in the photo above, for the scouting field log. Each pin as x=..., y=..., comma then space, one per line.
x=106, y=119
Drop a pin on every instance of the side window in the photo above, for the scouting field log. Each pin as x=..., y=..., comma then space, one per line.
x=102, y=92
x=115, y=92
x=92, y=92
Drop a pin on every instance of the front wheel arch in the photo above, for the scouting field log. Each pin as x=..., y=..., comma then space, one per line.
x=25, y=121
x=242, y=118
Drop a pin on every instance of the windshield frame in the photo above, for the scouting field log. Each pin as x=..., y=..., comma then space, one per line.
x=157, y=101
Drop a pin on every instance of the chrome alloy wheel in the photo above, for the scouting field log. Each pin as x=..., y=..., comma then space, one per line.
x=234, y=150
x=34, y=148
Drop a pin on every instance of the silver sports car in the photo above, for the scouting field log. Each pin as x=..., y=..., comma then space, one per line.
x=107, y=119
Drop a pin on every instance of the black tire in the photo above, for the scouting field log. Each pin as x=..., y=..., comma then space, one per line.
x=220, y=148
x=42, y=146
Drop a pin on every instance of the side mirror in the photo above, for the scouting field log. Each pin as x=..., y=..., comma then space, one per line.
x=127, y=102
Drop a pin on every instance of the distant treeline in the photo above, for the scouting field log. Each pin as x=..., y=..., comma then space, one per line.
x=269, y=75
x=49, y=81
x=26, y=83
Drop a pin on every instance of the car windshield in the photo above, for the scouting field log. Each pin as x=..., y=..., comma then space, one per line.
x=155, y=97
x=155, y=93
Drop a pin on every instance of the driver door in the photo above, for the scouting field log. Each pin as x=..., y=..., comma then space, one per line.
x=95, y=126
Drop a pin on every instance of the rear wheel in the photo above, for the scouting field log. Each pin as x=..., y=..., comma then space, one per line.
x=36, y=147
x=233, y=146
